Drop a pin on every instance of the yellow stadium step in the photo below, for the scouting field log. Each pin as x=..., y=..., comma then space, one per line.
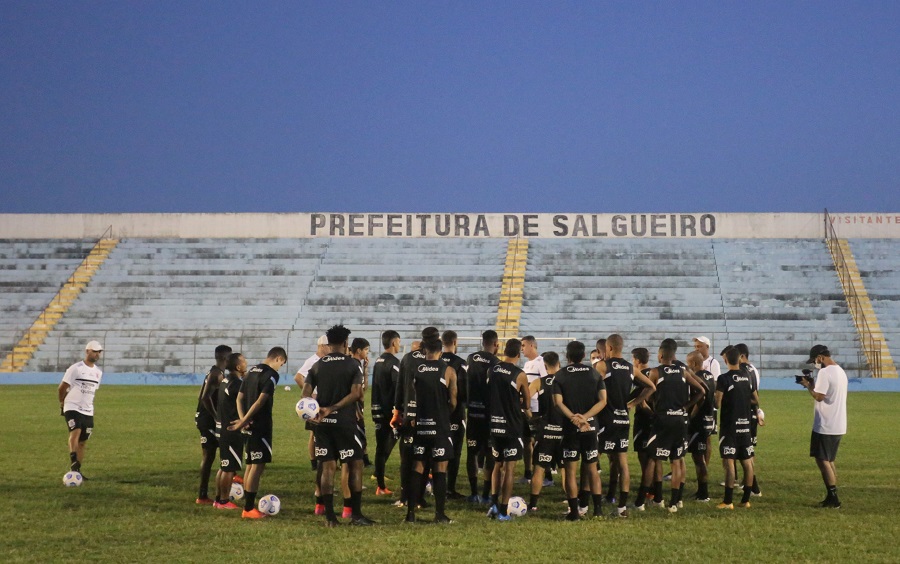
x=871, y=336
x=509, y=306
x=35, y=335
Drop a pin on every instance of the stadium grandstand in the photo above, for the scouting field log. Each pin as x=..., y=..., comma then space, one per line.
x=161, y=291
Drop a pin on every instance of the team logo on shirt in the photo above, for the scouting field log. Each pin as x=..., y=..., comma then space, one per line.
x=424, y=368
x=472, y=443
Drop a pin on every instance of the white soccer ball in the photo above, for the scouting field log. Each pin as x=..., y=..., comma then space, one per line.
x=237, y=492
x=307, y=408
x=516, y=507
x=72, y=479
x=269, y=504
x=287, y=388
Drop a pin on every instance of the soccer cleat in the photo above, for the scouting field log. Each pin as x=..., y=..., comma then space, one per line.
x=702, y=499
x=680, y=504
x=582, y=511
x=661, y=504
x=533, y=509
x=830, y=503
x=725, y=506
x=745, y=504
x=504, y=518
x=639, y=507
x=756, y=494
x=204, y=501
x=252, y=514
x=399, y=503
x=570, y=516
x=347, y=513
x=667, y=477
x=320, y=509
x=547, y=484
x=673, y=508
x=332, y=523
x=237, y=480
x=621, y=513
x=443, y=520
x=361, y=521
x=455, y=495
x=493, y=512
x=227, y=505
x=383, y=491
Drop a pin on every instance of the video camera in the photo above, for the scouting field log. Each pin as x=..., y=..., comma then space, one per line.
x=807, y=375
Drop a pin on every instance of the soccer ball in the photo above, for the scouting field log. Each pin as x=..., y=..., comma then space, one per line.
x=287, y=388
x=72, y=479
x=307, y=408
x=516, y=507
x=237, y=492
x=269, y=504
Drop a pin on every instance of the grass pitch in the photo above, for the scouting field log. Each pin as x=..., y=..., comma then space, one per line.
x=144, y=455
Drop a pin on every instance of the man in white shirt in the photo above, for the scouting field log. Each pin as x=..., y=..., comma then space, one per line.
x=829, y=389
x=534, y=369
x=76, y=401
x=300, y=378
x=710, y=364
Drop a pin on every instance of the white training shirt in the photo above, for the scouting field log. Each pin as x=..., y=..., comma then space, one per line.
x=83, y=382
x=307, y=366
x=831, y=413
x=534, y=369
x=711, y=365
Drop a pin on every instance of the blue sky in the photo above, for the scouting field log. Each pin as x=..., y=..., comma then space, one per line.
x=449, y=106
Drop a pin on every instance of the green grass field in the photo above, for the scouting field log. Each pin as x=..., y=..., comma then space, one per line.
x=143, y=459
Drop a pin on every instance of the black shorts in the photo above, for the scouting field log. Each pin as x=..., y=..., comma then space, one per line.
x=507, y=449
x=458, y=436
x=478, y=435
x=78, y=420
x=667, y=438
x=824, y=447
x=231, y=450
x=209, y=440
x=697, y=442
x=614, y=438
x=526, y=430
x=754, y=424
x=361, y=435
x=582, y=445
x=259, y=446
x=639, y=438
x=338, y=443
x=548, y=446
x=437, y=448
x=737, y=447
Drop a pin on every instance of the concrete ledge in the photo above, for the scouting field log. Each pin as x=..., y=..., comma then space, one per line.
x=855, y=384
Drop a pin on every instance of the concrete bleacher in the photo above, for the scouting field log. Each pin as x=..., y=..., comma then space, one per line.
x=878, y=262
x=31, y=273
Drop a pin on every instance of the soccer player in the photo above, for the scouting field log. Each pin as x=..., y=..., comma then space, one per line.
x=701, y=425
x=534, y=370
x=477, y=427
x=735, y=399
x=254, y=405
x=548, y=427
x=643, y=429
x=579, y=393
x=359, y=351
x=613, y=422
x=385, y=375
x=231, y=443
x=76, y=401
x=300, y=378
x=339, y=380
x=508, y=396
x=435, y=388
x=757, y=417
x=677, y=391
x=207, y=422
x=458, y=415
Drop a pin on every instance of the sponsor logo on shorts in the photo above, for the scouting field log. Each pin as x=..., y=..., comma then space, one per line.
x=495, y=453
x=226, y=463
x=750, y=450
x=71, y=423
x=454, y=427
x=346, y=453
x=256, y=455
x=623, y=443
x=609, y=445
x=507, y=452
x=472, y=443
x=321, y=451
x=545, y=458
x=661, y=452
x=438, y=452
x=202, y=440
x=570, y=454
x=726, y=451
x=419, y=450
x=591, y=454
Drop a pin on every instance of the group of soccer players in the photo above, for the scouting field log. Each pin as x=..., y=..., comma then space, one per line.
x=558, y=416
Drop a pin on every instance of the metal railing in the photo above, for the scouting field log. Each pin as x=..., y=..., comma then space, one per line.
x=870, y=346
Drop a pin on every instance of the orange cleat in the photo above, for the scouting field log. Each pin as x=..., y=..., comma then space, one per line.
x=383, y=491
x=320, y=509
x=237, y=480
x=252, y=514
x=204, y=501
x=347, y=513
x=226, y=505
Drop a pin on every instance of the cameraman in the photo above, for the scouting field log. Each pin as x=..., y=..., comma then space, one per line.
x=829, y=389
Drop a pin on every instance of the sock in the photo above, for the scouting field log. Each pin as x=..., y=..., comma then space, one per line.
x=356, y=503
x=702, y=490
x=681, y=491
x=366, y=461
x=501, y=507
x=611, y=487
x=641, y=497
x=746, y=497
x=673, y=497
x=832, y=492
x=584, y=498
x=528, y=475
x=729, y=496
x=314, y=464
x=320, y=500
x=657, y=492
x=533, y=501
x=439, y=480
x=328, y=502
x=598, y=503
x=486, y=491
x=573, y=505
x=495, y=499
x=348, y=502
x=623, y=499
x=217, y=499
x=755, y=485
x=73, y=456
x=249, y=500
x=415, y=485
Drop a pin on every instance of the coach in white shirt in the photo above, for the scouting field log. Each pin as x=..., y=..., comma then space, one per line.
x=710, y=364
x=829, y=389
x=76, y=401
x=322, y=349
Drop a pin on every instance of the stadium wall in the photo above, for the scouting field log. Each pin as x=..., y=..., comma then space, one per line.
x=400, y=225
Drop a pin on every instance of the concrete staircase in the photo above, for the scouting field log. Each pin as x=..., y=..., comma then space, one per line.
x=509, y=309
x=878, y=355
x=36, y=334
